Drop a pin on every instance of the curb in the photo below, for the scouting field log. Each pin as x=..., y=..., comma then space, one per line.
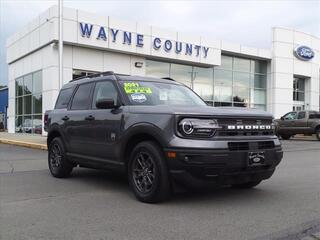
x=24, y=144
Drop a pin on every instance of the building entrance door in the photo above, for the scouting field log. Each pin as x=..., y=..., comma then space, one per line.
x=298, y=94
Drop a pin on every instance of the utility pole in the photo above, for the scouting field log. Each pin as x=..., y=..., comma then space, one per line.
x=60, y=43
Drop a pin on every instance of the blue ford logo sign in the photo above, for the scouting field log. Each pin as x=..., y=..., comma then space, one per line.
x=304, y=53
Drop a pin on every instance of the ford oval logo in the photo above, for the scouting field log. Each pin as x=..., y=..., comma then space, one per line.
x=304, y=53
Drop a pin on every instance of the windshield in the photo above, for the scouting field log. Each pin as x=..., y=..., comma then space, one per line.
x=156, y=93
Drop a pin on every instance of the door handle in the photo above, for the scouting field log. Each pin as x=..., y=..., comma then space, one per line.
x=65, y=118
x=90, y=118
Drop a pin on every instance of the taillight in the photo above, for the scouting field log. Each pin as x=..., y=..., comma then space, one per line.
x=46, y=117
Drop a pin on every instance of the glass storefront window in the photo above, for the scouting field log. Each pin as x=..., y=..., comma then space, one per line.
x=19, y=106
x=222, y=93
x=27, y=84
x=226, y=63
x=37, y=103
x=229, y=84
x=203, y=82
x=241, y=94
x=29, y=103
x=37, y=82
x=181, y=73
x=19, y=87
x=259, y=96
x=241, y=64
x=259, y=106
x=157, y=69
x=258, y=66
x=259, y=81
x=241, y=79
x=222, y=77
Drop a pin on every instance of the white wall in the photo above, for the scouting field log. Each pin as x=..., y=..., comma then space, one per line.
x=285, y=65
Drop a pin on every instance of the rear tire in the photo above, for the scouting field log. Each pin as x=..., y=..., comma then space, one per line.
x=59, y=165
x=285, y=137
x=318, y=133
x=247, y=185
x=148, y=174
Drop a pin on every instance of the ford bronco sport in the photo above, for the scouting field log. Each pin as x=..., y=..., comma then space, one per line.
x=158, y=132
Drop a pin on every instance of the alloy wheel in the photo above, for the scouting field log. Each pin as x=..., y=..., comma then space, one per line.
x=144, y=172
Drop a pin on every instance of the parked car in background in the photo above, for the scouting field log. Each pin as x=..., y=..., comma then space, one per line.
x=302, y=122
x=30, y=126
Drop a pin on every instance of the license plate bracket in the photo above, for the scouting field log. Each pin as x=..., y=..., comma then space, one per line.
x=256, y=158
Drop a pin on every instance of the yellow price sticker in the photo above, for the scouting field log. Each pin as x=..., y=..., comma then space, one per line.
x=131, y=88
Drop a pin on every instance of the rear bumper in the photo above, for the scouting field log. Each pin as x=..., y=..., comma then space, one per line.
x=221, y=167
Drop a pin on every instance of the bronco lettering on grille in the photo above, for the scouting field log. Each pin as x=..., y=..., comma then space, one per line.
x=250, y=127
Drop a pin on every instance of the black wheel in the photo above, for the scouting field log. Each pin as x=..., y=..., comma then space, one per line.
x=57, y=161
x=318, y=133
x=148, y=173
x=247, y=184
x=285, y=137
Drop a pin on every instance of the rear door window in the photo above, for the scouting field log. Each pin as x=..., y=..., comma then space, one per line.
x=81, y=99
x=64, y=98
x=301, y=115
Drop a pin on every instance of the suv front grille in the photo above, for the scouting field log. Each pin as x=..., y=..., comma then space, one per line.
x=245, y=127
x=261, y=145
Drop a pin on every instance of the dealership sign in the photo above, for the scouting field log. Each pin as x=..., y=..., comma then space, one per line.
x=304, y=53
x=129, y=38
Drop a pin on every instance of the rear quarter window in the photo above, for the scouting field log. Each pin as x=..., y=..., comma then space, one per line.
x=64, y=98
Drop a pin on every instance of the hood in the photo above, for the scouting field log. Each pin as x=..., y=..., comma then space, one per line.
x=201, y=111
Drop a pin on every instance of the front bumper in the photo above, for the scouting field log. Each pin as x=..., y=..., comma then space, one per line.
x=194, y=166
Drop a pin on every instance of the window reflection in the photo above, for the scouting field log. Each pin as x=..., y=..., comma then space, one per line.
x=157, y=69
x=29, y=103
x=229, y=84
x=181, y=73
x=203, y=82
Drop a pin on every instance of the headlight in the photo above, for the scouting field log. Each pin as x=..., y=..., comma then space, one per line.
x=190, y=127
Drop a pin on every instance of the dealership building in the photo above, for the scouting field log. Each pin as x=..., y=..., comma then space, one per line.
x=278, y=80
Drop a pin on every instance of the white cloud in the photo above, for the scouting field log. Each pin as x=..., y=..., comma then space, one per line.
x=246, y=22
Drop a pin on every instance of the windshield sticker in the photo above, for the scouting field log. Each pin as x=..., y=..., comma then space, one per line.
x=131, y=88
x=138, y=97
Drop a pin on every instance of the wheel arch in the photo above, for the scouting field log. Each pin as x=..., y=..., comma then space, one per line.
x=53, y=133
x=139, y=134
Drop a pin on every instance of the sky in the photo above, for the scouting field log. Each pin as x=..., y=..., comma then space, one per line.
x=245, y=22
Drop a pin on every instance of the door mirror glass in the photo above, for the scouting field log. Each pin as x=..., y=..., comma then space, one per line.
x=105, y=103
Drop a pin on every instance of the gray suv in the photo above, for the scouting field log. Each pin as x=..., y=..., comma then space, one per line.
x=159, y=133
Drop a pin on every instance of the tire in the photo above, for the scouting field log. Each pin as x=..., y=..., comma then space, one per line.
x=285, y=137
x=148, y=173
x=318, y=133
x=247, y=185
x=57, y=161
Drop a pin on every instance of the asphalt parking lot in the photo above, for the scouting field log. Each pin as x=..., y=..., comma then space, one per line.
x=98, y=205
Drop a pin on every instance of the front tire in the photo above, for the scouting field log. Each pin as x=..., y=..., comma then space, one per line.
x=148, y=173
x=57, y=161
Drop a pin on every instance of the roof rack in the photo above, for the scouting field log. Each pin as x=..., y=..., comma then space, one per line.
x=168, y=78
x=108, y=73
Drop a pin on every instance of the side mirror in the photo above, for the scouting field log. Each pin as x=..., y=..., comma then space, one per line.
x=105, y=103
x=282, y=118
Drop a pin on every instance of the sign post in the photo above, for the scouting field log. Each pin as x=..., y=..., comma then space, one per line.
x=60, y=43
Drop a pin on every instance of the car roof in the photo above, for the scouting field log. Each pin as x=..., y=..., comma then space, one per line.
x=118, y=77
